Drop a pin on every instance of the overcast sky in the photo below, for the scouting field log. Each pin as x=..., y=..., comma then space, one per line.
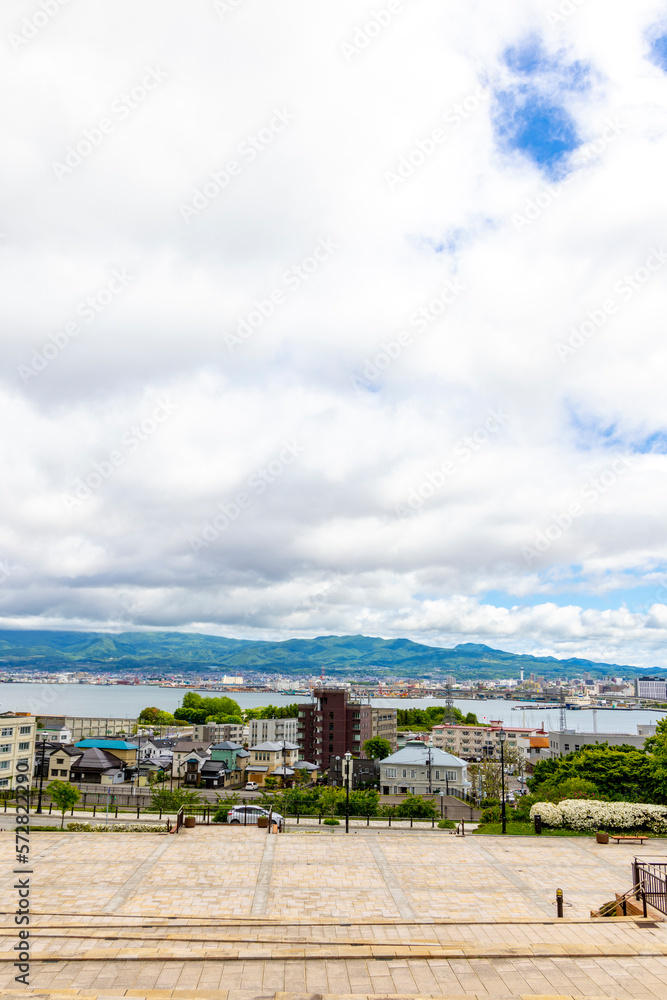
x=337, y=317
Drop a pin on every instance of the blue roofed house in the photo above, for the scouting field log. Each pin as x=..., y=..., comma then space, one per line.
x=418, y=769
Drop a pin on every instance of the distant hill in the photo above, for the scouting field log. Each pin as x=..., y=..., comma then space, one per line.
x=355, y=655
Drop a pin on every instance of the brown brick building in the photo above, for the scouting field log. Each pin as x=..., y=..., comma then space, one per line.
x=331, y=725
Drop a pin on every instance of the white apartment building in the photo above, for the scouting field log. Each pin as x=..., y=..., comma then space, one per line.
x=272, y=731
x=481, y=741
x=17, y=745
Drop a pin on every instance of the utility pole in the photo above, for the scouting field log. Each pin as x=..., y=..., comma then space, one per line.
x=501, y=736
x=430, y=787
x=41, y=778
x=348, y=762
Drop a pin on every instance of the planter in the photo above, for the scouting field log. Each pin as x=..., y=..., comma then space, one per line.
x=189, y=821
x=602, y=838
x=263, y=822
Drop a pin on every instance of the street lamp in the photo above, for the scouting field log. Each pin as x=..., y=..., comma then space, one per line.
x=348, y=761
x=502, y=736
x=41, y=777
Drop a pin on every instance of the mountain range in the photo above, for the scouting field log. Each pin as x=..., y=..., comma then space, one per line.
x=358, y=656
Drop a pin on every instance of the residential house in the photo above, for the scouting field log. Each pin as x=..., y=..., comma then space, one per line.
x=185, y=749
x=421, y=770
x=235, y=759
x=99, y=767
x=60, y=762
x=266, y=757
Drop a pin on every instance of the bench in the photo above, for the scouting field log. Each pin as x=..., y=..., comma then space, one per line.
x=639, y=838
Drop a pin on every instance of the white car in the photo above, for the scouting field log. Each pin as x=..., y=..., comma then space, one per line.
x=251, y=786
x=248, y=815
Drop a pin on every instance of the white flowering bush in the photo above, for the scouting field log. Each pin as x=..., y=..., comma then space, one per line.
x=591, y=814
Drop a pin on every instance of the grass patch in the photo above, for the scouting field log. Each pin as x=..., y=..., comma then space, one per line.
x=528, y=830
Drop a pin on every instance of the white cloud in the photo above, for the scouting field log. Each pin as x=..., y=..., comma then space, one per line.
x=367, y=445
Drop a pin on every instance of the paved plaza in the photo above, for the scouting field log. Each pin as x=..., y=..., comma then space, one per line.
x=229, y=913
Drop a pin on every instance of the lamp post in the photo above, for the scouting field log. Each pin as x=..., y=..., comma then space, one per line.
x=41, y=777
x=502, y=736
x=348, y=761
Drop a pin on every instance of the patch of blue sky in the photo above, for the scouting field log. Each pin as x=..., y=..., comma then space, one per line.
x=591, y=433
x=636, y=598
x=531, y=116
x=658, y=51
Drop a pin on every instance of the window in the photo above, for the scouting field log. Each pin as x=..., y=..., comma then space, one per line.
x=413, y=773
x=24, y=730
x=4, y=764
x=6, y=732
x=4, y=782
x=63, y=774
x=437, y=775
x=5, y=748
x=405, y=773
x=390, y=772
x=576, y=746
x=567, y=746
x=450, y=775
x=59, y=760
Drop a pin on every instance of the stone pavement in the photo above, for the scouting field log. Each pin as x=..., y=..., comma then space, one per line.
x=229, y=913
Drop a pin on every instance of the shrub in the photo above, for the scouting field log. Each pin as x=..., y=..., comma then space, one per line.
x=447, y=824
x=592, y=814
x=490, y=815
x=119, y=828
x=220, y=814
x=331, y=821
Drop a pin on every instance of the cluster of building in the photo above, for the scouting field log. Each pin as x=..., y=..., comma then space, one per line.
x=92, y=751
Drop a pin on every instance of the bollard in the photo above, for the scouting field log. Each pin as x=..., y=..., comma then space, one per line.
x=94, y=809
x=559, y=902
x=538, y=823
x=137, y=812
x=50, y=807
x=116, y=812
x=463, y=828
x=320, y=820
x=368, y=820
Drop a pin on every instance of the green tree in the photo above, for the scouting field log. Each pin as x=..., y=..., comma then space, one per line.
x=271, y=783
x=329, y=799
x=377, y=748
x=65, y=795
x=197, y=710
x=618, y=773
x=416, y=806
x=171, y=801
x=362, y=803
x=156, y=717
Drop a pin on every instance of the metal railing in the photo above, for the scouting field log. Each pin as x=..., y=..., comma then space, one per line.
x=652, y=876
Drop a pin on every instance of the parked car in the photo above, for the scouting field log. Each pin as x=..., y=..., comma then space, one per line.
x=251, y=786
x=248, y=815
